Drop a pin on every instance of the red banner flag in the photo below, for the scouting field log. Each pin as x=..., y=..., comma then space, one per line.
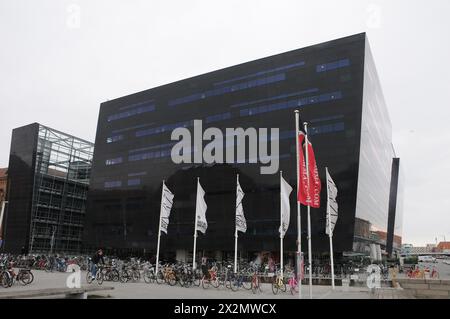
x=315, y=185
x=303, y=179
x=305, y=197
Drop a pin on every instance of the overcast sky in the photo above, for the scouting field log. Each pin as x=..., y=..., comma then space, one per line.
x=60, y=59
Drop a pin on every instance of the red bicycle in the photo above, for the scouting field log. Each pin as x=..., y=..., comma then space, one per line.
x=434, y=273
x=211, y=279
x=256, y=283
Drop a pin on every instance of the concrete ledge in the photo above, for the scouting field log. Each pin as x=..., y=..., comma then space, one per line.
x=428, y=292
x=439, y=286
x=36, y=293
x=409, y=280
x=426, y=288
x=407, y=285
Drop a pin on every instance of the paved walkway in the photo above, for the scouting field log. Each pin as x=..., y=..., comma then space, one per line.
x=142, y=290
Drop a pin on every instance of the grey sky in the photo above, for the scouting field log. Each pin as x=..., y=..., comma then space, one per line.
x=57, y=72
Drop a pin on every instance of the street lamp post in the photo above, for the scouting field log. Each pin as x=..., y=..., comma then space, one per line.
x=52, y=240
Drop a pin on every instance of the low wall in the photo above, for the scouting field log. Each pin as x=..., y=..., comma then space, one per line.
x=426, y=288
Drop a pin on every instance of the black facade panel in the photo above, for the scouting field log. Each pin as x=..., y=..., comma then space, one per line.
x=133, y=143
x=20, y=187
x=392, y=204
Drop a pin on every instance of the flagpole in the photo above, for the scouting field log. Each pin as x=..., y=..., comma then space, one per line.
x=159, y=230
x=194, y=266
x=235, y=230
x=309, y=211
x=281, y=228
x=332, y=260
x=330, y=234
x=299, y=228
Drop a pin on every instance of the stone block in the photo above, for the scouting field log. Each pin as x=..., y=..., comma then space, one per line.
x=431, y=293
x=407, y=285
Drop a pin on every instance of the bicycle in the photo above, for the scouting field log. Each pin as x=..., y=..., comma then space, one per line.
x=149, y=274
x=415, y=273
x=211, y=279
x=239, y=280
x=111, y=274
x=8, y=276
x=167, y=275
x=434, y=273
x=278, y=283
x=293, y=285
x=98, y=275
x=256, y=283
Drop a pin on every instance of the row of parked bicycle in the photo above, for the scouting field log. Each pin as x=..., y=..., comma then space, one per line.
x=249, y=277
x=216, y=276
x=49, y=263
x=9, y=276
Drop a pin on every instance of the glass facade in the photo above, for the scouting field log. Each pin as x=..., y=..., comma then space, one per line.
x=132, y=153
x=49, y=180
x=375, y=164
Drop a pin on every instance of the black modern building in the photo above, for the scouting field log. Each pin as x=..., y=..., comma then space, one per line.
x=48, y=179
x=336, y=88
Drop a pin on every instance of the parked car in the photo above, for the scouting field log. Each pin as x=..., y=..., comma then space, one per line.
x=427, y=259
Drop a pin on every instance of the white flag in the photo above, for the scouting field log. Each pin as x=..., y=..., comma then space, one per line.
x=332, y=206
x=241, y=224
x=200, y=209
x=286, y=190
x=166, y=206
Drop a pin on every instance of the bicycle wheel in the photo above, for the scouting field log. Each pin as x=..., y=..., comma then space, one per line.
x=48, y=268
x=234, y=284
x=147, y=277
x=189, y=281
x=247, y=282
x=197, y=279
x=25, y=277
x=227, y=283
x=136, y=276
x=172, y=280
x=4, y=279
x=215, y=283
x=125, y=276
x=255, y=285
x=159, y=278
x=114, y=275
x=99, y=277
x=31, y=278
x=182, y=279
x=275, y=287
x=293, y=288
x=205, y=283
x=283, y=286
x=89, y=278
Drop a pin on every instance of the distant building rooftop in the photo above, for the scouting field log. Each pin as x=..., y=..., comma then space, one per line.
x=444, y=245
